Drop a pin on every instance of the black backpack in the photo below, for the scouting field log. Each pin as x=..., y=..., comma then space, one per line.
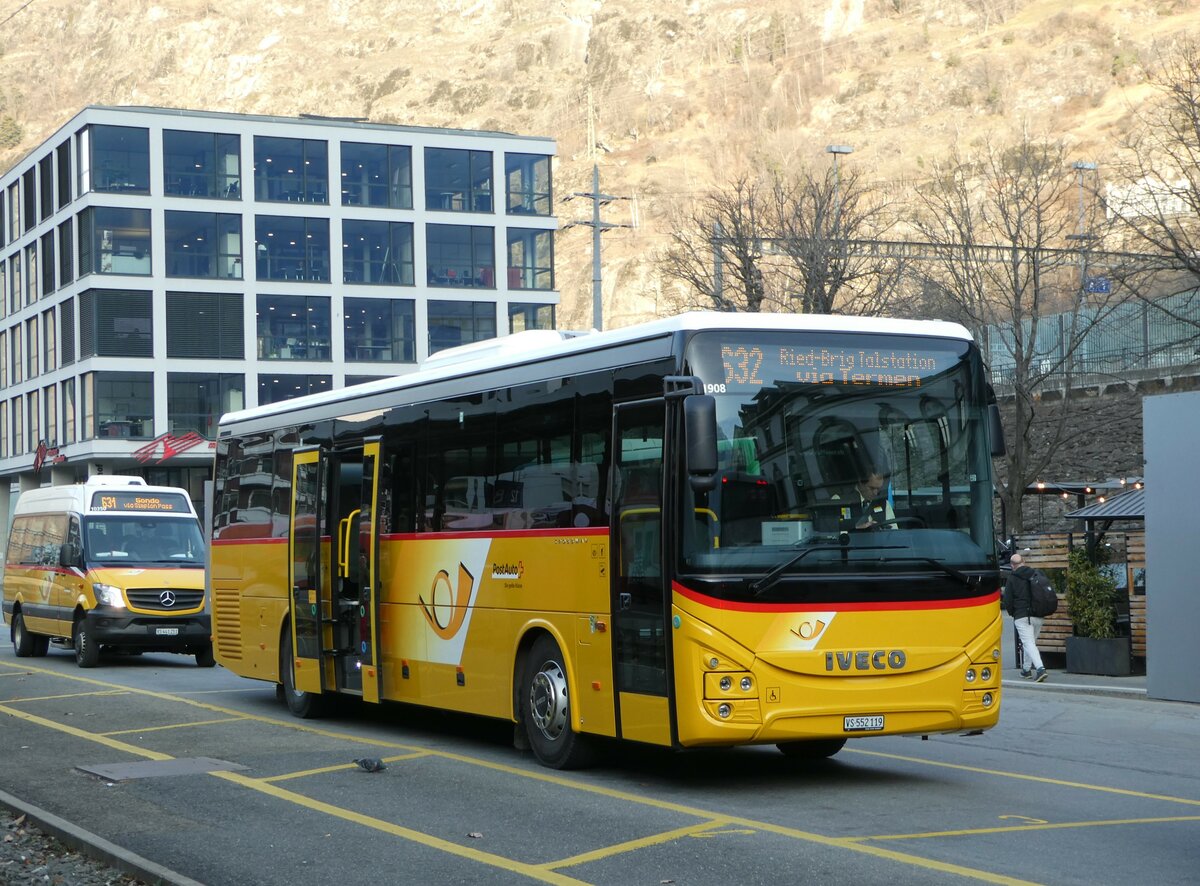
x=1042, y=599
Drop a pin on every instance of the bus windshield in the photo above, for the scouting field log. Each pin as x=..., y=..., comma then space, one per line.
x=840, y=456
x=128, y=540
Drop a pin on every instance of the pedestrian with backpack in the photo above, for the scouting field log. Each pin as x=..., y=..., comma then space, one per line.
x=1019, y=602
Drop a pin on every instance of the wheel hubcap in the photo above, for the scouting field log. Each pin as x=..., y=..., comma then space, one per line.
x=548, y=700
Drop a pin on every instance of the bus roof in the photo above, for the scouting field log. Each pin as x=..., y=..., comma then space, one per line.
x=525, y=348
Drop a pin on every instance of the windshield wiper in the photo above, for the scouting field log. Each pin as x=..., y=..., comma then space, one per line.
x=960, y=577
x=842, y=543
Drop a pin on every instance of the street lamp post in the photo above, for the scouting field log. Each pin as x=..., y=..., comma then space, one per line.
x=836, y=150
x=1082, y=235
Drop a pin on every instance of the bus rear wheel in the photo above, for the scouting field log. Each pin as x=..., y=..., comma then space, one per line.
x=817, y=749
x=305, y=705
x=87, y=650
x=546, y=710
x=205, y=658
x=25, y=644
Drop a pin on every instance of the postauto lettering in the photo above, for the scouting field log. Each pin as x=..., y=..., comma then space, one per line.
x=866, y=660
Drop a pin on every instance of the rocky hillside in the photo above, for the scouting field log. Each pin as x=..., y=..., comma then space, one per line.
x=669, y=96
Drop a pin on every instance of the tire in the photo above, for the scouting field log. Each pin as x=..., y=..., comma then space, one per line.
x=205, y=658
x=305, y=705
x=87, y=650
x=546, y=710
x=817, y=749
x=25, y=644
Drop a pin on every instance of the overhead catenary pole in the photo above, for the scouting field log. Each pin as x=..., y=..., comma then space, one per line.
x=598, y=227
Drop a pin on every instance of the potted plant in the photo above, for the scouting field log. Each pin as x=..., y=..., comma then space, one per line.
x=1096, y=647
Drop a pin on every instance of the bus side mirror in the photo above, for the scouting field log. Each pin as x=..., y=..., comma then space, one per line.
x=69, y=554
x=996, y=431
x=700, y=437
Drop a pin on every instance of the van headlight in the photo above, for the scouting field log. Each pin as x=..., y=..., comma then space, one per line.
x=108, y=595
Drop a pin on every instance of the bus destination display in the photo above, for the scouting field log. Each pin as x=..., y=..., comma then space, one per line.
x=751, y=365
x=139, y=502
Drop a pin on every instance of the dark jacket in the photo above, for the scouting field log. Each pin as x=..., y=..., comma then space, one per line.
x=1018, y=595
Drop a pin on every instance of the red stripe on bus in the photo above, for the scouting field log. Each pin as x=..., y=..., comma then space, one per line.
x=267, y=540
x=498, y=533
x=715, y=603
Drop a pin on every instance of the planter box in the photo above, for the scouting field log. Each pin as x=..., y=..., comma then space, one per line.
x=1109, y=657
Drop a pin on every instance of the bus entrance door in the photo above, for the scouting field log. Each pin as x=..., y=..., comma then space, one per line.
x=309, y=598
x=639, y=595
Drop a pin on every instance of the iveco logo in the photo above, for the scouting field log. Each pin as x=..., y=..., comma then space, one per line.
x=167, y=598
x=879, y=660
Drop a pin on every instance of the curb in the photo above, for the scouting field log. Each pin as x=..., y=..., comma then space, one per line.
x=1076, y=689
x=94, y=846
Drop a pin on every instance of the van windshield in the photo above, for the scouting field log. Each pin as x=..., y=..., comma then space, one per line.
x=142, y=540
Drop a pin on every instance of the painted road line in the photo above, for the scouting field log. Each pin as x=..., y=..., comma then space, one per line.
x=33, y=698
x=1043, y=826
x=693, y=830
x=174, y=726
x=341, y=766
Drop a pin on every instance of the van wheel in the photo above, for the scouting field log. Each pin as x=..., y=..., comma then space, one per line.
x=546, y=710
x=305, y=705
x=817, y=749
x=87, y=650
x=205, y=657
x=25, y=644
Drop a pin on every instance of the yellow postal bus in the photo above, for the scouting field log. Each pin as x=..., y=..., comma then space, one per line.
x=643, y=534
x=107, y=563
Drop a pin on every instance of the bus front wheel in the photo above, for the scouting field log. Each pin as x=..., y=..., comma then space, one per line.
x=817, y=749
x=546, y=709
x=87, y=650
x=25, y=644
x=305, y=705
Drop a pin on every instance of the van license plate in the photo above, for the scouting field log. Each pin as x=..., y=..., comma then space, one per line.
x=862, y=724
x=174, y=632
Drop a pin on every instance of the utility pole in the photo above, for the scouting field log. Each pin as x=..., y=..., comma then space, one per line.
x=598, y=227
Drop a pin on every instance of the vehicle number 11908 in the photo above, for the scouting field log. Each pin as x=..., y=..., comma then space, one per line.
x=862, y=724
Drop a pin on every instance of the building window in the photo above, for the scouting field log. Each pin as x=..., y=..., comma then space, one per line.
x=205, y=324
x=120, y=159
x=31, y=273
x=29, y=197
x=17, y=404
x=33, y=424
x=14, y=211
x=114, y=241
x=15, y=364
x=377, y=252
x=46, y=186
x=48, y=266
x=460, y=255
x=453, y=323
x=530, y=259
x=115, y=323
x=3, y=288
x=377, y=175
x=202, y=164
x=380, y=330
x=458, y=180
x=50, y=410
x=16, y=287
x=204, y=244
x=523, y=316
x=277, y=388
x=68, y=410
x=291, y=169
x=4, y=441
x=49, y=340
x=197, y=400
x=288, y=248
x=293, y=327
x=66, y=321
x=3, y=359
x=32, y=347
x=64, y=173
x=352, y=380
x=527, y=177
x=66, y=253
x=118, y=404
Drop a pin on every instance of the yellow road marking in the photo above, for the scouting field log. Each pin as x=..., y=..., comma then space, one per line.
x=692, y=830
x=79, y=733
x=109, y=692
x=1040, y=779
x=173, y=726
x=850, y=843
x=535, y=872
x=340, y=766
x=1046, y=826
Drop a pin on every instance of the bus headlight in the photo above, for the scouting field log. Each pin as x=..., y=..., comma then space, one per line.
x=108, y=595
x=985, y=674
x=726, y=683
x=746, y=684
x=724, y=710
x=970, y=675
x=987, y=699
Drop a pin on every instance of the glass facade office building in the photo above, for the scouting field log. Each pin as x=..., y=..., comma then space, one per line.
x=161, y=267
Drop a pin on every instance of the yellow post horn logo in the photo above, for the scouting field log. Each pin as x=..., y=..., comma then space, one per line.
x=457, y=604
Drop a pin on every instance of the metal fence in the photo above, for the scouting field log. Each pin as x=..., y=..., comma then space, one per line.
x=1135, y=337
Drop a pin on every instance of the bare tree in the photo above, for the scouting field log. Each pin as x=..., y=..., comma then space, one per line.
x=1008, y=252
x=716, y=249
x=786, y=243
